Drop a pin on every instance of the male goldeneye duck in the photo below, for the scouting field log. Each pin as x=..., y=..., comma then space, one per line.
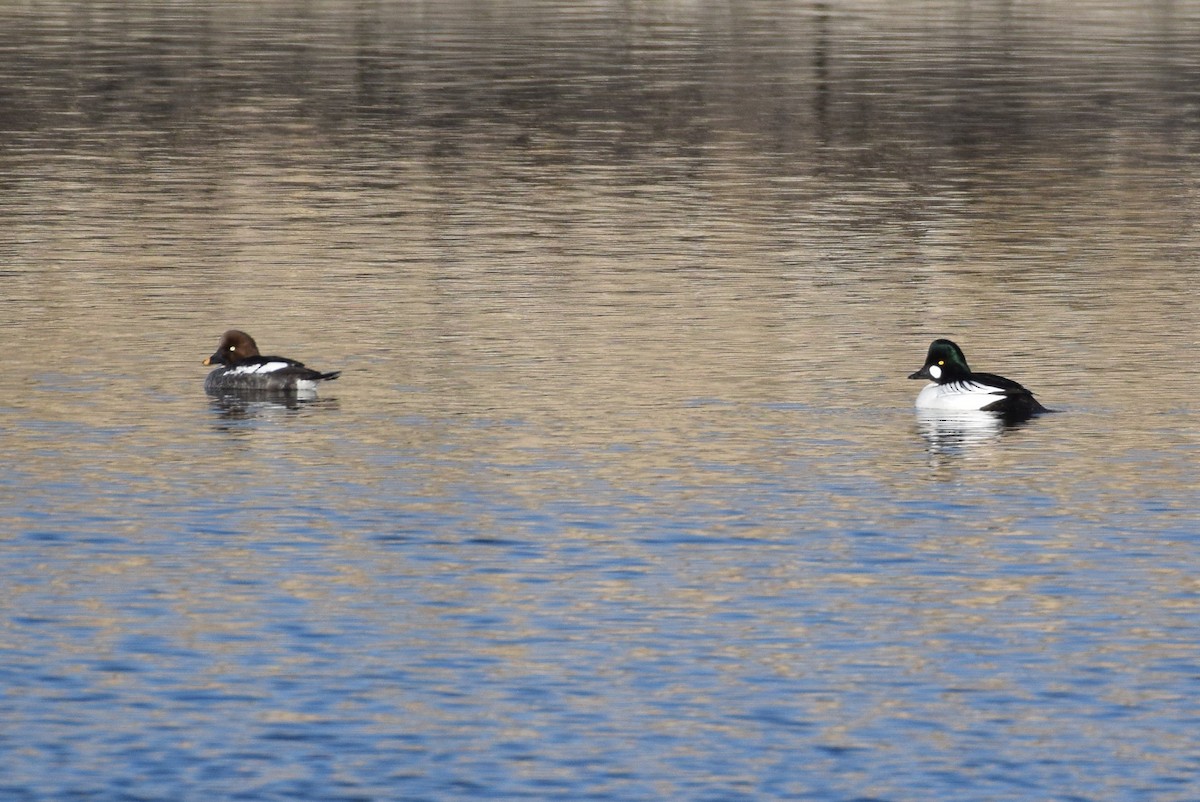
x=954, y=387
x=244, y=369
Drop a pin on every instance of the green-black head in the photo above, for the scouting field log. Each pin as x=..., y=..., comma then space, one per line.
x=944, y=363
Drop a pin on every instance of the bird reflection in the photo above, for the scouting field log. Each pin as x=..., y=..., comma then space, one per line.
x=249, y=404
x=948, y=432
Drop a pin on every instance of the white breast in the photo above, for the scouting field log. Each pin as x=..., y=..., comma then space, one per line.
x=957, y=396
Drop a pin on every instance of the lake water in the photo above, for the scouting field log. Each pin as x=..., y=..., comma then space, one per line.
x=621, y=494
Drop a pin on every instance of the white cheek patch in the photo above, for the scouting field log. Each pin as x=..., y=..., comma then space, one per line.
x=935, y=371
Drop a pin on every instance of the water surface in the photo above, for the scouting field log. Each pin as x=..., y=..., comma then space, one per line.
x=621, y=494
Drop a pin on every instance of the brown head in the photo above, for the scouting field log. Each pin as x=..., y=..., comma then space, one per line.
x=234, y=347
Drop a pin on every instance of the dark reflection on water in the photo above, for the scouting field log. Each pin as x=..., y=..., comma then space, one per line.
x=620, y=495
x=249, y=405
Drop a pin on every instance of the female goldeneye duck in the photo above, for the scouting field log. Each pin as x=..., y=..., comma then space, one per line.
x=244, y=369
x=955, y=387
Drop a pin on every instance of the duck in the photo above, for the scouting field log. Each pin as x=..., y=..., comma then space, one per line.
x=243, y=369
x=954, y=387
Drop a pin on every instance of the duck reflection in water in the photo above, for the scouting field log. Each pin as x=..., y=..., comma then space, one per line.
x=957, y=431
x=248, y=404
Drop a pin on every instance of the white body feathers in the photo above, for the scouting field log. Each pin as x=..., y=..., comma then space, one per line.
x=266, y=367
x=958, y=396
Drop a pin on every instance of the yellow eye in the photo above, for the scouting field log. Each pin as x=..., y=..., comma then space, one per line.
x=940, y=361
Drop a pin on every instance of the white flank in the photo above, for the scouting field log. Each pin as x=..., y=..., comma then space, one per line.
x=958, y=396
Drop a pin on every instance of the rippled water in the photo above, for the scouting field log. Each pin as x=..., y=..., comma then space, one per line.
x=621, y=494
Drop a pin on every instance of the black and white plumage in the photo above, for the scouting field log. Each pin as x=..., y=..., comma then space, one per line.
x=244, y=369
x=954, y=387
